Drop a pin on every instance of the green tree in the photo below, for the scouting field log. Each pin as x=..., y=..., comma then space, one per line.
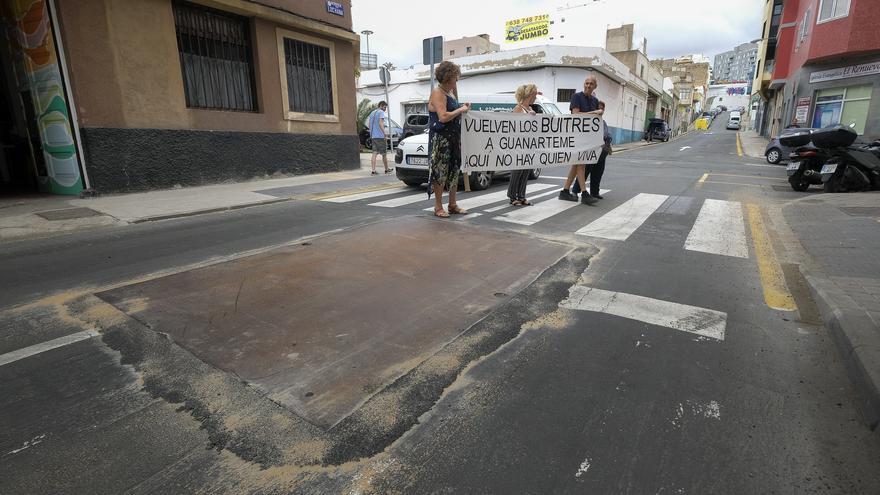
x=364, y=109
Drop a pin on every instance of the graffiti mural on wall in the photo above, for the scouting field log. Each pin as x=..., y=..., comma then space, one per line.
x=29, y=32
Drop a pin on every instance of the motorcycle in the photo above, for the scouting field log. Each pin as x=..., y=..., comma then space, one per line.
x=805, y=165
x=849, y=167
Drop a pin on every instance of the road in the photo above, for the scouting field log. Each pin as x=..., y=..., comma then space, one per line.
x=659, y=342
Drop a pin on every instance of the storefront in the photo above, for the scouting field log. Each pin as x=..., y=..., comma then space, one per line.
x=841, y=93
x=39, y=145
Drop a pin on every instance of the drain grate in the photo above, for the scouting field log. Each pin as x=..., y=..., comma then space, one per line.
x=69, y=213
x=861, y=211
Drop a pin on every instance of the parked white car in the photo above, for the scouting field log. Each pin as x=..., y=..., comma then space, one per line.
x=733, y=122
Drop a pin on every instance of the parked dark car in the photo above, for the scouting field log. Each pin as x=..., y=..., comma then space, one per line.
x=416, y=123
x=396, y=136
x=776, y=152
x=657, y=129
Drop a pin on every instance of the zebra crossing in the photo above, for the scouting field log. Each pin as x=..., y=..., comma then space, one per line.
x=719, y=227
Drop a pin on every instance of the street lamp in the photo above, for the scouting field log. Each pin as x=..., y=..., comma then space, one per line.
x=367, y=33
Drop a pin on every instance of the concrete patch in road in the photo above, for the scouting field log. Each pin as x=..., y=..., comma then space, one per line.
x=321, y=327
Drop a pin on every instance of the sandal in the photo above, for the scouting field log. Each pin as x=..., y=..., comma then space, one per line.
x=388, y=171
x=441, y=213
x=374, y=173
x=455, y=210
x=516, y=202
x=525, y=202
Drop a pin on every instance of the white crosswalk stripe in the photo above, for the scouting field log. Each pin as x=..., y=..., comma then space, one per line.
x=533, y=214
x=719, y=229
x=495, y=197
x=619, y=223
x=701, y=321
x=405, y=200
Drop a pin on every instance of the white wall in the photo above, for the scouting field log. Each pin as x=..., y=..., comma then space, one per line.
x=719, y=91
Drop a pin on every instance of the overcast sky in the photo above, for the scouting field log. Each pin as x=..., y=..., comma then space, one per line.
x=672, y=27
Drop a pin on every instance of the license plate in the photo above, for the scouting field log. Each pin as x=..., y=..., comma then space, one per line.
x=793, y=166
x=829, y=168
x=417, y=160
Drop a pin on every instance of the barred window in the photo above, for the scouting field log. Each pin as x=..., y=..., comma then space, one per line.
x=564, y=95
x=215, y=57
x=309, y=77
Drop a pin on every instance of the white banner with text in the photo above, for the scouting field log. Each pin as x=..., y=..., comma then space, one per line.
x=493, y=141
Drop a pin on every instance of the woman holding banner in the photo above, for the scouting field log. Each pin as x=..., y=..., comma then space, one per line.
x=516, y=191
x=444, y=138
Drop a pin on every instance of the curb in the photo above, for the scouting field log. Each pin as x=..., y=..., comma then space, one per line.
x=208, y=210
x=858, y=339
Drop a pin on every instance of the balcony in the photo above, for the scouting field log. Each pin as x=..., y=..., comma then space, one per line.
x=369, y=61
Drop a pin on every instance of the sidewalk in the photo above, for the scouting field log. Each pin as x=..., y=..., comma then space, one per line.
x=840, y=235
x=41, y=216
x=753, y=144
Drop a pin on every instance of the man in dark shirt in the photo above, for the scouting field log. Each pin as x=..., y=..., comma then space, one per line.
x=582, y=102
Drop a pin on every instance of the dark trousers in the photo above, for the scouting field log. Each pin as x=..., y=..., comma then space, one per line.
x=517, y=187
x=594, y=173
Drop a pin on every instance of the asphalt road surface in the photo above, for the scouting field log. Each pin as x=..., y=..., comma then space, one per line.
x=670, y=349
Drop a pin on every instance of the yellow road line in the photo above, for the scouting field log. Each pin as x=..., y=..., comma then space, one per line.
x=703, y=178
x=776, y=293
x=739, y=146
x=733, y=183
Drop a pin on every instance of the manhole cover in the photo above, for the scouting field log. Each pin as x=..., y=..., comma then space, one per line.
x=69, y=213
x=861, y=211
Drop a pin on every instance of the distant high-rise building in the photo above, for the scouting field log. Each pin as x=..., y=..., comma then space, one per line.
x=735, y=65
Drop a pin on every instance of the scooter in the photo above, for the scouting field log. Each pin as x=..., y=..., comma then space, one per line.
x=849, y=168
x=804, y=166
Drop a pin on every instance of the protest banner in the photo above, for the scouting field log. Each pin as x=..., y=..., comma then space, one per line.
x=492, y=141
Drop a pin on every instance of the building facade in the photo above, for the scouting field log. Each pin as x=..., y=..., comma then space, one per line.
x=736, y=65
x=558, y=71
x=762, y=105
x=690, y=79
x=619, y=42
x=827, y=68
x=470, y=45
x=150, y=94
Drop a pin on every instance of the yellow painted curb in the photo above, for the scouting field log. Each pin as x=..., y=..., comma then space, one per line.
x=739, y=146
x=776, y=293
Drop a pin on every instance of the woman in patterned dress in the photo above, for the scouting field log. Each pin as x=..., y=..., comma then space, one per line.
x=444, y=138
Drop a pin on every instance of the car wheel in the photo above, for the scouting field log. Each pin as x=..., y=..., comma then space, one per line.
x=480, y=180
x=773, y=156
x=368, y=144
x=536, y=172
x=413, y=183
x=666, y=140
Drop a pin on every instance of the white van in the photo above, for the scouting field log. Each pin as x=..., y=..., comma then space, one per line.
x=411, y=157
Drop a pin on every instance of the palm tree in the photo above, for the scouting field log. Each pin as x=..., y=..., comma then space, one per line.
x=364, y=109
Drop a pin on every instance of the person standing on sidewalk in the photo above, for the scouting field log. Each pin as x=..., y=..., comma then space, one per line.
x=379, y=135
x=596, y=170
x=516, y=190
x=582, y=102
